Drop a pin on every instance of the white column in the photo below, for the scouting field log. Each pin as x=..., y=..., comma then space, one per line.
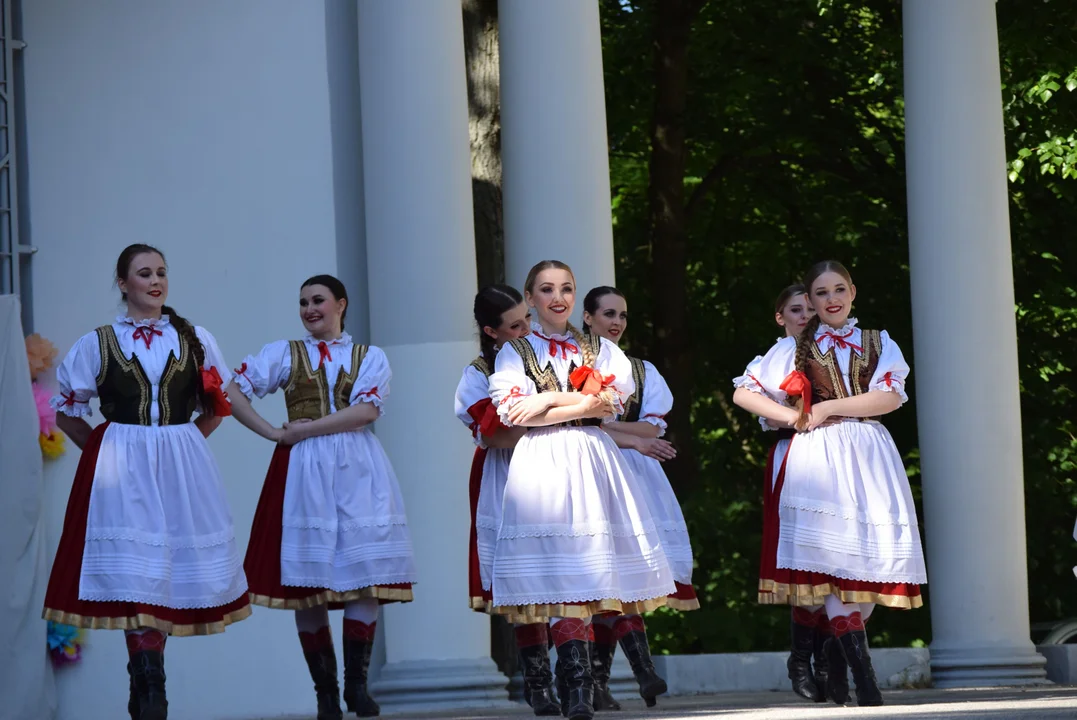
x=421, y=263
x=967, y=395
x=556, y=176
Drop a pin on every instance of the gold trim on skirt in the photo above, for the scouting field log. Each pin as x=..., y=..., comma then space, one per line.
x=540, y=613
x=325, y=597
x=144, y=620
x=773, y=593
x=682, y=605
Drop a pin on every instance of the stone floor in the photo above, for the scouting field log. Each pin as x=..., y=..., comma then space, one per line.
x=1028, y=704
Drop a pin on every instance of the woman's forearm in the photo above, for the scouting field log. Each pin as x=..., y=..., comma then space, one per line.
x=505, y=437
x=247, y=415
x=350, y=418
x=872, y=404
x=761, y=405
x=206, y=424
x=638, y=429
x=75, y=428
x=557, y=415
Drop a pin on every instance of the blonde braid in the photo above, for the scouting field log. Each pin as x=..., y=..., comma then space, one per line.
x=585, y=345
x=804, y=341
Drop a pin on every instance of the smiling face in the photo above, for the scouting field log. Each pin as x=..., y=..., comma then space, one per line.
x=321, y=312
x=832, y=298
x=610, y=318
x=552, y=296
x=146, y=284
x=794, y=315
x=515, y=323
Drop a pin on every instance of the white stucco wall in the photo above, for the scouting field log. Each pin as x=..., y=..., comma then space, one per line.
x=203, y=128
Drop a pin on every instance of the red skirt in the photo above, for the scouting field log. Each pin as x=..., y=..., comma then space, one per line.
x=684, y=599
x=262, y=563
x=478, y=598
x=62, y=604
x=781, y=586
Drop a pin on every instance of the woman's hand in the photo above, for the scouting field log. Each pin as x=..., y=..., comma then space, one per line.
x=529, y=408
x=820, y=416
x=293, y=432
x=656, y=448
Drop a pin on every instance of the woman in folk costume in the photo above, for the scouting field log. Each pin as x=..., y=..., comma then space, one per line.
x=576, y=538
x=502, y=316
x=808, y=625
x=148, y=545
x=847, y=534
x=330, y=528
x=637, y=431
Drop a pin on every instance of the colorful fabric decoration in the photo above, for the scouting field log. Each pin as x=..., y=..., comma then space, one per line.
x=211, y=383
x=64, y=643
x=41, y=353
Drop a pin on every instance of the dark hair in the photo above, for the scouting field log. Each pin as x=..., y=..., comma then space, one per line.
x=529, y=285
x=491, y=303
x=590, y=301
x=807, y=336
x=183, y=327
x=788, y=294
x=335, y=286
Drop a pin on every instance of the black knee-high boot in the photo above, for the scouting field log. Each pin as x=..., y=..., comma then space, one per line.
x=854, y=646
x=822, y=665
x=601, y=666
x=148, y=678
x=799, y=664
x=837, y=678
x=356, y=668
x=538, y=680
x=638, y=651
x=322, y=664
x=574, y=665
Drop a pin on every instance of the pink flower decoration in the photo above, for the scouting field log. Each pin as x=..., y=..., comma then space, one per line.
x=46, y=415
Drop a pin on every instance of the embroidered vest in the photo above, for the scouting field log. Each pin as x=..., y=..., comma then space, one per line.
x=483, y=365
x=634, y=404
x=825, y=374
x=307, y=393
x=126, y=393
x=545, y=378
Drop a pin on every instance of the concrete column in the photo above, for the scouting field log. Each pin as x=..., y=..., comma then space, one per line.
x=962, y=294
x=421, y=264
x=556, y=175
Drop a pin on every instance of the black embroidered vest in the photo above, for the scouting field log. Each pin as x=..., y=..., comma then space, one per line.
x=126, y=393
x=307, y=393
x=545, y=378
x=634, y=403
x=483, y=365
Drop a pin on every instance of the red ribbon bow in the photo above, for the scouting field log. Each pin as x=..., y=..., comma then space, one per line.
x=797, y=384
x=565, y=345
x=373, y=392
x=486, y=420
x=323, y=353
x=145, y=333
x=211, y=385
x=840, y=341
x=514, y=393
x=589, y=381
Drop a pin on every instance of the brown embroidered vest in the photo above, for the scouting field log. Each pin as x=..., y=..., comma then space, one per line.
x=824, y=373
x=307, y=393
x=634, y=403
x=126, y=393
x=545, y=378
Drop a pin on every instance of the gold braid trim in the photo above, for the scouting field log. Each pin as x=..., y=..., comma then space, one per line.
x=342, y=390
x=145, y=620
x=302, y=401
x=106, y=336
x=482, y=365
x=322, y=597
x=172, y=366
x=634, y=402
x=773, y=593
x=527, y=613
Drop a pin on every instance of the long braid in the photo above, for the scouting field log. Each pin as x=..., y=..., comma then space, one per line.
x=487, y=348
x=585, y=345
x=186, y=330
x=804, y=341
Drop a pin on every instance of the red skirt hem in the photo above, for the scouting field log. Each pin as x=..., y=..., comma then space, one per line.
x=479, y=599
x=262, y=562
x=62, y=604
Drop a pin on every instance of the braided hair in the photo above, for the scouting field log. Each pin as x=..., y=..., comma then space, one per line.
x=491, y=303
x=807, y=336
x=183, y=326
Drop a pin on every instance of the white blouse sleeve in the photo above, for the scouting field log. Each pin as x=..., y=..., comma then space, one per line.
x=214, y=358
x=77, y=377
x=611, y=361
x=372, y=385
x=657, y=399
x=509, y=384
x=473, y=401
x=893, y=371
x=265, y=372
x=765, y=375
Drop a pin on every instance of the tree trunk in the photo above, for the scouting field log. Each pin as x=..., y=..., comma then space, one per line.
x=673, y=353
x=484, y=125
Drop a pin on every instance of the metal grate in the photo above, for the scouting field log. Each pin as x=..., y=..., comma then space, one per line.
x=14, y=256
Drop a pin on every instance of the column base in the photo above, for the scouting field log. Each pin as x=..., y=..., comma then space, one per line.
x=988, y=667
x=429, y=685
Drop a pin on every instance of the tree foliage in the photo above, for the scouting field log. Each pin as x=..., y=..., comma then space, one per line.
x=793, y=151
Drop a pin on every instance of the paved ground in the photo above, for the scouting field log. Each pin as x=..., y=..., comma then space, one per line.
x=1028, y=704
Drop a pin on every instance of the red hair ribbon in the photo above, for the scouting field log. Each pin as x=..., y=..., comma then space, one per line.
x=589, y=381
x=211, y=385
x=797, y=384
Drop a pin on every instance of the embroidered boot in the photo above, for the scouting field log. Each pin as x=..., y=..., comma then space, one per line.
x=148, y=674
x=837, y=679
x=601, y=664
x=822, y=666
x=538, y=681
x=576, y=666
x=132, y=700
x=322, y=664
x=854, y=646
x=638, y=652
x=356, y=666
x=799, y=663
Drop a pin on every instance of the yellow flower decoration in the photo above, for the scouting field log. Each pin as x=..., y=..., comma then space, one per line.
x=52, y=445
